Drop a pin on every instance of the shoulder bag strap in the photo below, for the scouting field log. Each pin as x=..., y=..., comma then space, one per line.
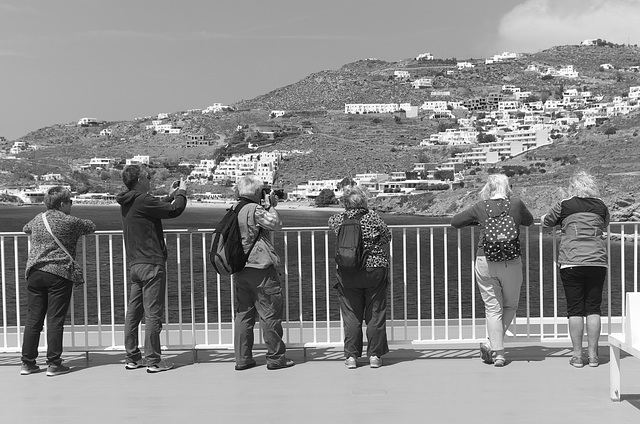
x=46, y=224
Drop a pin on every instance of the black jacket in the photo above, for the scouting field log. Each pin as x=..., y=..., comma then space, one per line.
x=142, y=216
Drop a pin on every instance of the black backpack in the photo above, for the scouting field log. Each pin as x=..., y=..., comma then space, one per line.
x=501, y=241
x=350, y=252
x=226, y=253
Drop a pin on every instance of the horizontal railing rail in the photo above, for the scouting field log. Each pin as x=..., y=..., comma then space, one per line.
x=432, y=295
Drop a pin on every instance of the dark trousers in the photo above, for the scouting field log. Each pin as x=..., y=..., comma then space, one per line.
x=258, y=292
x=146, y=298
x=47, y=295
x=363, y=296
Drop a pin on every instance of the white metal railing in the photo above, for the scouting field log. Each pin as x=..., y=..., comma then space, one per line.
x=432, y=296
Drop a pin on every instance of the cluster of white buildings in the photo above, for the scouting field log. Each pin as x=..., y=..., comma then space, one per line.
x=394, y=183
x=107, y=163
x=264, y=165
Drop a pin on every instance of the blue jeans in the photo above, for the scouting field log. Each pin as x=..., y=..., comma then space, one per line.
x=50, y=295
x=146, y=298
x=258, y=292
x=363, y=296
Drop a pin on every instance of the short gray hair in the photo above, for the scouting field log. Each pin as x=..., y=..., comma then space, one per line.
x=248, y=185
x=497, y=186
x=355, y=197
x=583, y=185
x=56, y=196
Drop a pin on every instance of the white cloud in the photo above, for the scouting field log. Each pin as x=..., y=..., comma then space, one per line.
x=540, y=24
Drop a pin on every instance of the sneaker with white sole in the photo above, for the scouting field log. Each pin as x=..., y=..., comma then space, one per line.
x=159, y=367
x=27, y=369
x=54, y=370
x=351, y=363
x=134, y=365
x=375, y=361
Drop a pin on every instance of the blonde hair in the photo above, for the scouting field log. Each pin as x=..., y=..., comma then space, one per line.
x=582, y=185
x=497, y=186
x=355, y=197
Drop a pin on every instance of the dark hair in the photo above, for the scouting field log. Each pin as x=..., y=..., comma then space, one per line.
x=130, y=175
x=56, y=196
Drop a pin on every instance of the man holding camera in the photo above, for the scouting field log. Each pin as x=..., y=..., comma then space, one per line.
x=142, y=216
x=257, y=285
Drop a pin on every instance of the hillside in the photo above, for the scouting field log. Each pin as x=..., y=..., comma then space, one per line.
x=340, y=145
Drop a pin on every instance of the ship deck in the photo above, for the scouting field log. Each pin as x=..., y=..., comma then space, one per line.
x=447, y=385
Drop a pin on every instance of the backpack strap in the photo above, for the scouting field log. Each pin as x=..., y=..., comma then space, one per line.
x=236, y=208
x=493, y=214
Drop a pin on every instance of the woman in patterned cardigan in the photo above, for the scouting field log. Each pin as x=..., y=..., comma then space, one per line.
x=363, y=294
x=51, y=274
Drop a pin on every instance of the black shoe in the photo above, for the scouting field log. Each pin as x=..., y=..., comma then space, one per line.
x=53, y=370
x=245, y=366
x=287, y=364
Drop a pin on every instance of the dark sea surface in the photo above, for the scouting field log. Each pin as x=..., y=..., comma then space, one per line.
x=442, y=264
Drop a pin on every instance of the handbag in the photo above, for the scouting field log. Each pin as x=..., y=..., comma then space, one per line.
x=77, y=276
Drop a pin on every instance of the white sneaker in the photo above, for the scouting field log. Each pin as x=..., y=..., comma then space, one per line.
x=375, y=362
x=351, y=363
x=159, y=367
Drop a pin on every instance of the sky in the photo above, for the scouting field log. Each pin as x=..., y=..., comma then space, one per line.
x=119, y=59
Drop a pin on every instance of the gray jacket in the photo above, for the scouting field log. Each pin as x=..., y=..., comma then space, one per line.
x=583, y=222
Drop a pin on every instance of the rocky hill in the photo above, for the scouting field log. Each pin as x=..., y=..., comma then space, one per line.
x=340, y=145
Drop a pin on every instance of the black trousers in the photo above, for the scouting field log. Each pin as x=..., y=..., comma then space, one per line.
x=47, y=295
x=363, y=296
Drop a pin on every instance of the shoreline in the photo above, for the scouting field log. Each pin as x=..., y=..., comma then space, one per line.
x=304, y=206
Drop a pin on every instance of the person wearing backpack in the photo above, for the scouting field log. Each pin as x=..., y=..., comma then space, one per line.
x=362, y=272
x=257, y=285
x=498, y=267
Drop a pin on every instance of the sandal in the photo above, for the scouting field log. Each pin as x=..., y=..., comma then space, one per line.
x=594, y=361
x=576, y=362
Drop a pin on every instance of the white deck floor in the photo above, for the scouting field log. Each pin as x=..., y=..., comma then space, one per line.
x=414, y=386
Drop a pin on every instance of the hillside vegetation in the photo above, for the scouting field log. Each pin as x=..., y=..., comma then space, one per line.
x=340, y=145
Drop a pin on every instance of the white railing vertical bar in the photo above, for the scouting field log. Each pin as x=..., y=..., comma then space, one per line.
x=635, y=257
x=192, y=284
x=541, y=282
x=205, y=289
x=286, y=281
x=112, y=292
x=446, y=282
x=555, y=288
x=314, y=298
x=301, y=318
x=391, y=266
x=327, y=285
x=419, y=282
x=85, y=307
x=473, y=283
x=404, y=280
x=17, y=277
x=4, y=295
x=609, y=277
x=527, y=267
x=622, y=274
x=459, y=271
x=179, y=272
x=98, y=294
x=433, y=283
